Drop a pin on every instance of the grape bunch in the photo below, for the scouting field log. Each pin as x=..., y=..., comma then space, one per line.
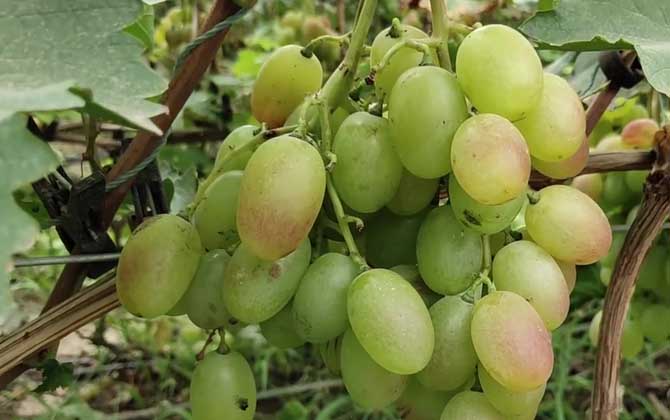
x=329, y=226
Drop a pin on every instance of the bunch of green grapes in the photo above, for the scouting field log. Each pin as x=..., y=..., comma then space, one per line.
x=388, y=236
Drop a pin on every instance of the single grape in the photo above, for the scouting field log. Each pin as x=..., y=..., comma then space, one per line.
x=413, y=195
x=449, y=255
x=652, y=273
x=203, y=300
x=564, y=215
x=391, y=321
x=454, y=360
x=529, y=271
x=500, y=72
x=635, y=181
x=566, y=168
x=316, y=26
x=589, y=184
x=151, y=279
x=511, y=341
x=293, y=19
x=421, y=403
x=280, y=196
x=615, y=190
x=237, y=138
x=412, y=275
x=283, y=82
x=426, y=107
x=470, y=405
x=368, y=171
x=223, y=387
x=639, y=133
x=569, y=271
x=254, y=290
x=655, y=323
x=509, y=402
x=320, y=303
x=368, y=384
x=481, y=217
x=391, y=239
x=610, y=144
x=337, y=117
x=401, y=61
x=280, y=331
x=215, y=218
x=556, y=128
x=617, y=243
x=490, y=159
x=632, y=339
x=330, y=352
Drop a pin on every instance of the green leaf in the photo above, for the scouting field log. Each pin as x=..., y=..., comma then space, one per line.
x=55, y=375
x=180, y=187
x=591, y=25
x=248, y=63
x=23, y=159
x=143, y=27
x=76, y=55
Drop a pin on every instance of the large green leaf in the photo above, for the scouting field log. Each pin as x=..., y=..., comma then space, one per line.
x=23, y=158
x=591, y=25
x=63, y=54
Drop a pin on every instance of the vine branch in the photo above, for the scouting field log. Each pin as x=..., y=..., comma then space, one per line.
x=646, y=226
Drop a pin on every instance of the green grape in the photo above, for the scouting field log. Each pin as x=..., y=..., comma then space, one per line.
x=151, y=279
x=316, y=26
x=617, y=243
x=426, y=107
x=454, y=360
x=652, y=273
x=179, y=308
x=655, y=323
x=413, y=195
x=330, y=352
x=554, y=129
x=412, y=275
x=449, y=255
x=293, y=19
x=280, y=331
x=602, y=129
x=216, y=215
x=529, y=271
x=470, y=405
x=565, y=216
x=490, y=159
x=509, y=402
x=615, y=190
x=566, y=168
x=280, y=196
x=320, y=303
x=237, y=138
x=511, y=341
x=391, y=240
x=500, y=72
x=640, y=133
x=625, y=111
x=611, y=143
x=632, y=339
x=203, y=300
x=369, y=384
x=255, y=290
x=635, y=181
x=368, y=171
x=569, y=271
x=401, y=61
x=589, y=184
x=223, y=387
x=481, y=217
x=391, y=321
x=420, y=403
x=283, y=82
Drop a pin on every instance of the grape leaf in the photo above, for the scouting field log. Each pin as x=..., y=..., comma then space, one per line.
x=55, y=375
x=23, y=158
x=143, y=27
x=64, y=54
x=591, y=25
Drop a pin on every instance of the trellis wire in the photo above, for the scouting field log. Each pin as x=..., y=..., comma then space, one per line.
x=188, y=50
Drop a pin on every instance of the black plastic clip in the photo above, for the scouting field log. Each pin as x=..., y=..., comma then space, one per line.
x=620, y=73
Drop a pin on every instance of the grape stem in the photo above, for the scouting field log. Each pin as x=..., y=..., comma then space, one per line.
x=223, y=347
x=441, y=31
x=341, y=40
x=210, y=338
x=421, y=45
x=342, y=221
